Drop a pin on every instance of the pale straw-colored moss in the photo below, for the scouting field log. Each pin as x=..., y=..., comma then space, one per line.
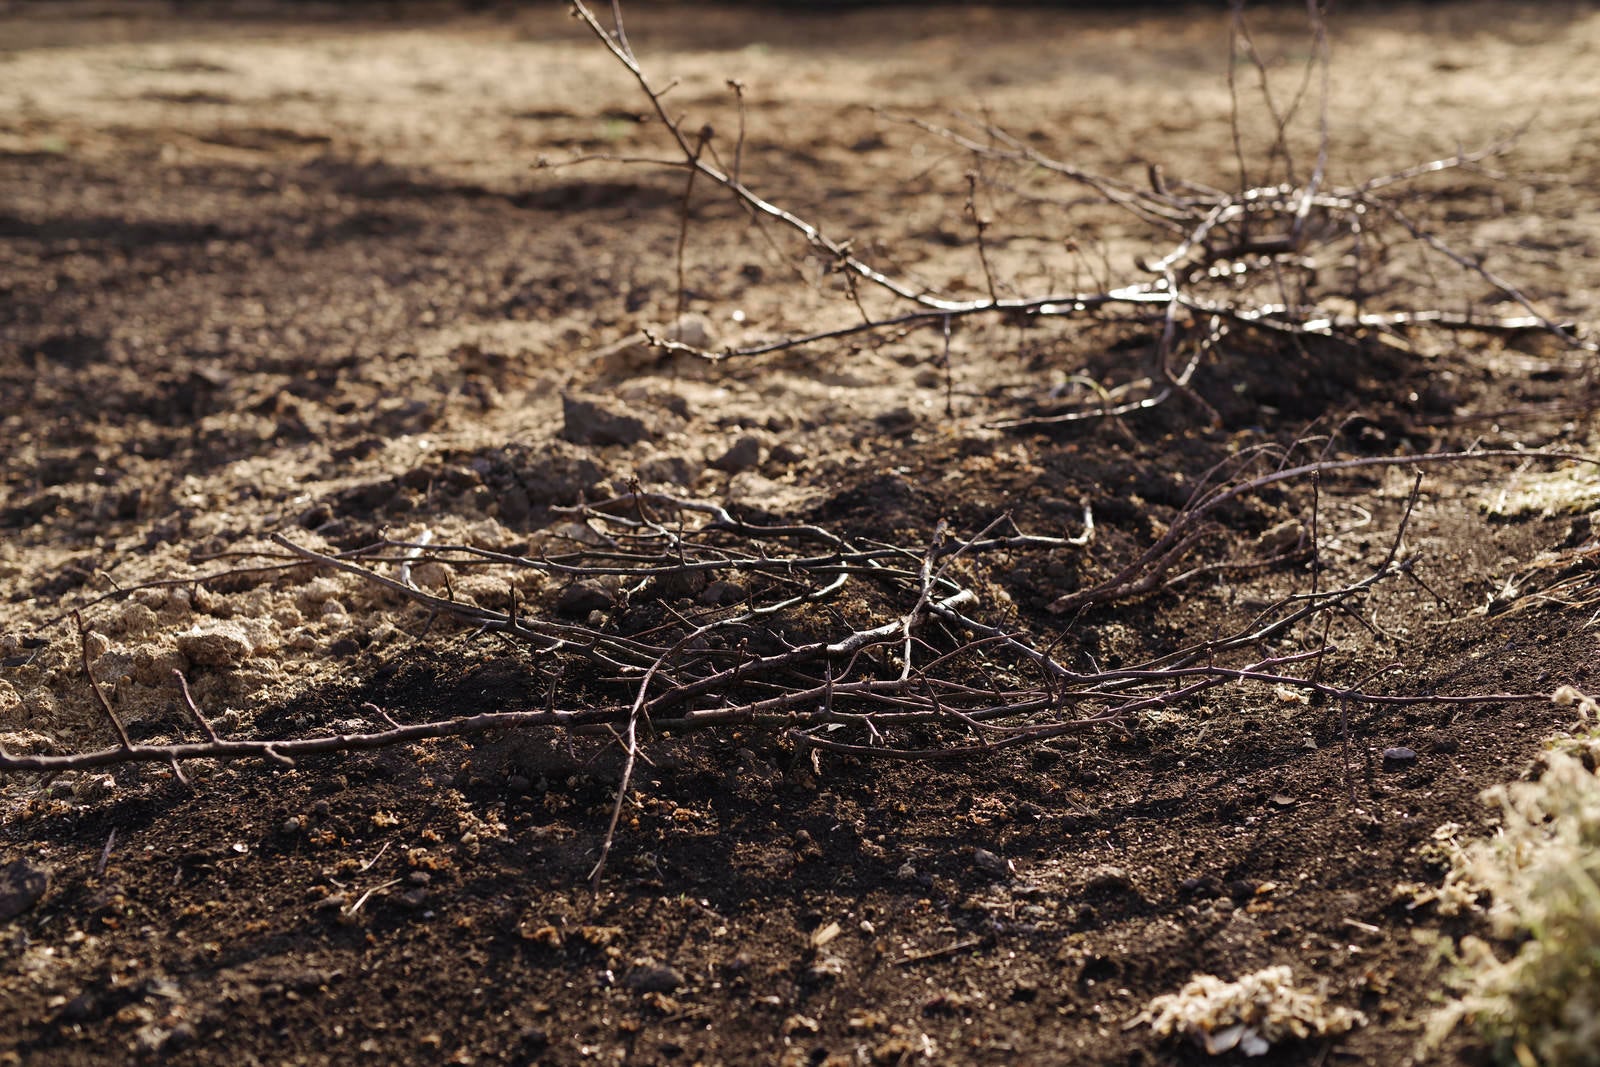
x=1251, y=1014
x=1540, y=875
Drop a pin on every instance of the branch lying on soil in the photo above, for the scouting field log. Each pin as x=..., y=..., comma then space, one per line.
x=712, y=621
x=705, y=621
x=1296, y=258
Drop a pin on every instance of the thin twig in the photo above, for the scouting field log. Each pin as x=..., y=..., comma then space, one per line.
x=94, y=684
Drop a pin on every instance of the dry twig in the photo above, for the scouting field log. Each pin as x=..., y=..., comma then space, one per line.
x=848, y=646
x=1290, y=258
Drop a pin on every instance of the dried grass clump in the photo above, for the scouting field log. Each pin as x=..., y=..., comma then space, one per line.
x=1251, y=1014
x=1541, y=873
x=1570, y=490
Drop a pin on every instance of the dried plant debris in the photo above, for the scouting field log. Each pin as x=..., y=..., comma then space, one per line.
x=1566, y=577
x=1291, y=257
x=1571, y=490
x=1537, y=879
x=1252, y=1014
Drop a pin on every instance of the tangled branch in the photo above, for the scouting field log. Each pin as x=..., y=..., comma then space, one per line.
x=695, y=619
x=1299, y=258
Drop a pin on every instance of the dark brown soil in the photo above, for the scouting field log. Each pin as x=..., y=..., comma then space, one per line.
x=290, y=271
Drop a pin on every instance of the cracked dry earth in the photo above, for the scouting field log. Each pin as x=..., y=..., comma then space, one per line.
x=288, y=269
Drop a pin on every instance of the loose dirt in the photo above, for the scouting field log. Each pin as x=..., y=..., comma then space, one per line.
x=292, y=270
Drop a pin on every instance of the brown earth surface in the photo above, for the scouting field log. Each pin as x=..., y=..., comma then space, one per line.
x=281, y=268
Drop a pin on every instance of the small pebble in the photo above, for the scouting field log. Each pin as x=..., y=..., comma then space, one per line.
x=655, y=980
x=344, y=647
x=744, y=454
x=218, y=644
x=584, y=597
x=80, y=1008
x=182, y=1036
x=692, y=330
x=22, y=883
x=989, y=863
x=1398, y=757
x=1107, y=879
x=94, y=788
x=721, y=593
